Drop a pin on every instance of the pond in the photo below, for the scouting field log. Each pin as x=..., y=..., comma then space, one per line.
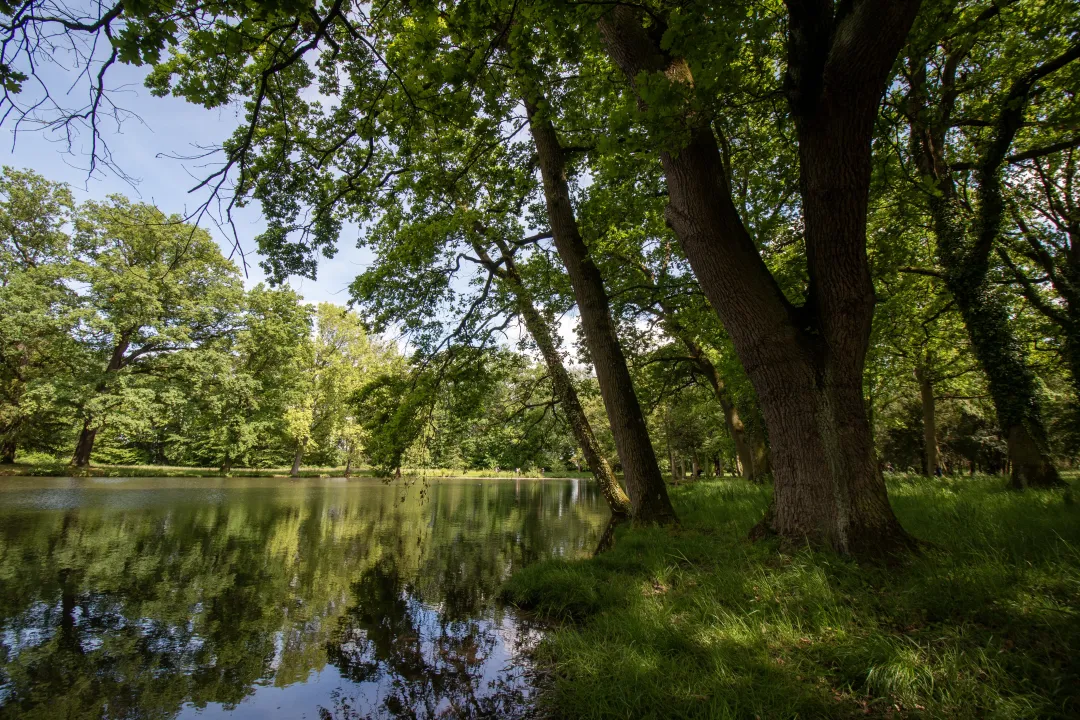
x=259, y=598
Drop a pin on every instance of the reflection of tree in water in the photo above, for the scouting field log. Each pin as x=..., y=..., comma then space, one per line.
x=137, y=612
x=106, y=653
x=426, y=664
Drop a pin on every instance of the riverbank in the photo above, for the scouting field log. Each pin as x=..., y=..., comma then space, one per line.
x=63, y=469
x=699, y=622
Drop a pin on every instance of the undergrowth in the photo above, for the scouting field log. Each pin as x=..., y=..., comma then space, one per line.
x=699, y=622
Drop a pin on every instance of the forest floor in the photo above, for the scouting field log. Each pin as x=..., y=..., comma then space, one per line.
x=700, y=622
x=56, y=468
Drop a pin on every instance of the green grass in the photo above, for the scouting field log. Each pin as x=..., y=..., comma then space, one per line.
x=699, y=622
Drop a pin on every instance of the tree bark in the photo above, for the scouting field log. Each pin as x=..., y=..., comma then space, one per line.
x=644, y=484
x=749, y=446
x=929, y=415
x=806, y=363
x=297, y=457
x=7, y=451
x=85, y=446
x=564, y=390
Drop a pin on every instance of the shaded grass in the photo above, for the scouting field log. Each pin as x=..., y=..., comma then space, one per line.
x=699, y=622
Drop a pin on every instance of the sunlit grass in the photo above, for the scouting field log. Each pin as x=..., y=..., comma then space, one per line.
x=699, y=622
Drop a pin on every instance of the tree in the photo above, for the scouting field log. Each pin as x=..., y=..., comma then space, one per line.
x=805, y=360
x=967, y=222
x=38, y=309
x=648, y=497
x=237, y=387
x=339, y=361
x=154, y=286
x=1043, y=251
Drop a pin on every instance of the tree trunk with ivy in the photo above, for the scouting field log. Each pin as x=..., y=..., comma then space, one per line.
x=964, y=254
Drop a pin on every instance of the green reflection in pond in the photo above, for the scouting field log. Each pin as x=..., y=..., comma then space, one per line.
x=260, y=597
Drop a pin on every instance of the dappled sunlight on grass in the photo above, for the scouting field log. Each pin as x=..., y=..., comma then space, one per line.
x=699, y=622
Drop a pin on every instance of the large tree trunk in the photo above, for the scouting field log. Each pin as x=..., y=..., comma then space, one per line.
x=644, y=484
x=929, y=415
x=297, y=457
x=806, y=363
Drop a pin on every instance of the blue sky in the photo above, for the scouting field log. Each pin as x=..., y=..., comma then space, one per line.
x=141, y=147
x=145, y=148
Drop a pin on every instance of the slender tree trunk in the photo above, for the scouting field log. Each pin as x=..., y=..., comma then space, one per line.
x=348, y=465
x=644, y=484
x=297, y=457
x=7, y=451
x=760, y=451
x=564, y=390
x=507, y=273
x=694, y=467
x=750, y=447
x=929, y=416
x=806, y=363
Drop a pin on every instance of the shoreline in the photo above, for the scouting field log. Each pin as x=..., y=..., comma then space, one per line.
x=151, y=471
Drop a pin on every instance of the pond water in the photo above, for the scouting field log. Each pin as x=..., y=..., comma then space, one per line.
x=205, y=598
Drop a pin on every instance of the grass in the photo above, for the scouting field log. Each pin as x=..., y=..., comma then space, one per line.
x=698, y=622
x=42, y=466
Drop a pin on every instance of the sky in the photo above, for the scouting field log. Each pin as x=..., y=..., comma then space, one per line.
x=145, y=147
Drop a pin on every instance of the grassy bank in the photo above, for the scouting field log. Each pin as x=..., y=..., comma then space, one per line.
x=699, y=622
x=57, y=468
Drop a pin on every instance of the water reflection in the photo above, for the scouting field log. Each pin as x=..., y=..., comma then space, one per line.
x=164, y=598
